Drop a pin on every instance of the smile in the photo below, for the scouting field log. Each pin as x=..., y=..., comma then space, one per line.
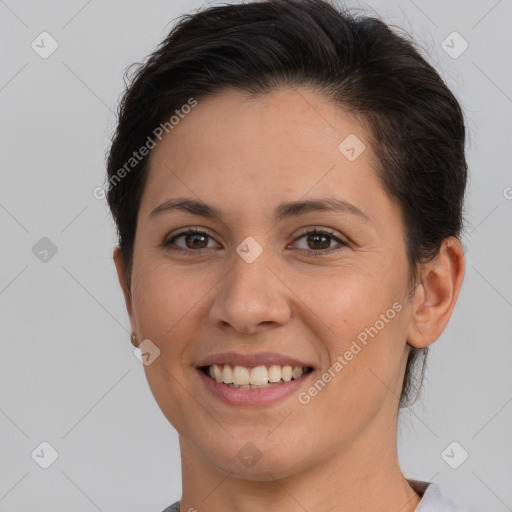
x=242, y=377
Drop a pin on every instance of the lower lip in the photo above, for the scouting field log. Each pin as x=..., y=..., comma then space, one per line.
x=254, y=396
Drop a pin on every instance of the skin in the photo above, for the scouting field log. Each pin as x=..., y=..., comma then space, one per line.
x=246, y=156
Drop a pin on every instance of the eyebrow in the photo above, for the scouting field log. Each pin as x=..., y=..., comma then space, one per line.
x=283, y=211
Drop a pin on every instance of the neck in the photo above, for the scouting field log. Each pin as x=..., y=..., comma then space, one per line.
x=363, y=476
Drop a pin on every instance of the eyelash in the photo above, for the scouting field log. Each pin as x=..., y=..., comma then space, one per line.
x=311, y=252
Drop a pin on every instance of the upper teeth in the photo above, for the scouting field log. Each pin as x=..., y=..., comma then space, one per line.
x=256, y=376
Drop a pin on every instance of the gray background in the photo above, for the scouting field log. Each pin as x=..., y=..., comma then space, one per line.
x=68, y=375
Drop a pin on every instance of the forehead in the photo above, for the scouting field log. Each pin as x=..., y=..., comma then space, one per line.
x=262, y=150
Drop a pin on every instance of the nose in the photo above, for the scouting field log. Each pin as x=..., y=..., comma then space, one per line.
x=252, y=297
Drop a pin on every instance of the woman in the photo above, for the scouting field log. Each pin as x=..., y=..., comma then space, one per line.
x=287, y=182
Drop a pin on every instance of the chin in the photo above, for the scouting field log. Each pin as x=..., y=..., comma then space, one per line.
x=256, y=461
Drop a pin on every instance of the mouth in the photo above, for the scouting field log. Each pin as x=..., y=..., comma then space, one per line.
x=254, y=377
x=258, y=379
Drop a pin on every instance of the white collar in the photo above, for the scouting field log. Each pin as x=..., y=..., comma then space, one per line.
x=432, y=499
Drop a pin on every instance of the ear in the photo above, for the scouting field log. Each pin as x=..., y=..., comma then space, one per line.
x=436, y=295
x=121, y=275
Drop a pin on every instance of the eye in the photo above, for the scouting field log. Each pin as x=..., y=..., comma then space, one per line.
x=194, y=239
x=318, y=242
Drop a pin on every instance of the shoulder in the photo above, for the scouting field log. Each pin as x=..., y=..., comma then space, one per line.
x=175, y=507
x=432, y=498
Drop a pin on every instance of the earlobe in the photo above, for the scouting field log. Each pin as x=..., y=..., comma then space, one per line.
x=436, y=295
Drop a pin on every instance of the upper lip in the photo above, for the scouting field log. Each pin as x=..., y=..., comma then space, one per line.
x=251, y=360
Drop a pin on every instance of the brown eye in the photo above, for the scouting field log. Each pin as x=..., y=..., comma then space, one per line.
x=196, y=241
x=191, y=240
x=317, y=242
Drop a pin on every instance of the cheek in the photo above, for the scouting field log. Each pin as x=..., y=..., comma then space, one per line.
x=360, y=322
x=168, y=307
x=163, y=298
x=349, y=300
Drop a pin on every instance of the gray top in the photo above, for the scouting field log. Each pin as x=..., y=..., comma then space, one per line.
x=432, y=500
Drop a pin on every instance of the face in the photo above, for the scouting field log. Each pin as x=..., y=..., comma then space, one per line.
x=298, y=260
